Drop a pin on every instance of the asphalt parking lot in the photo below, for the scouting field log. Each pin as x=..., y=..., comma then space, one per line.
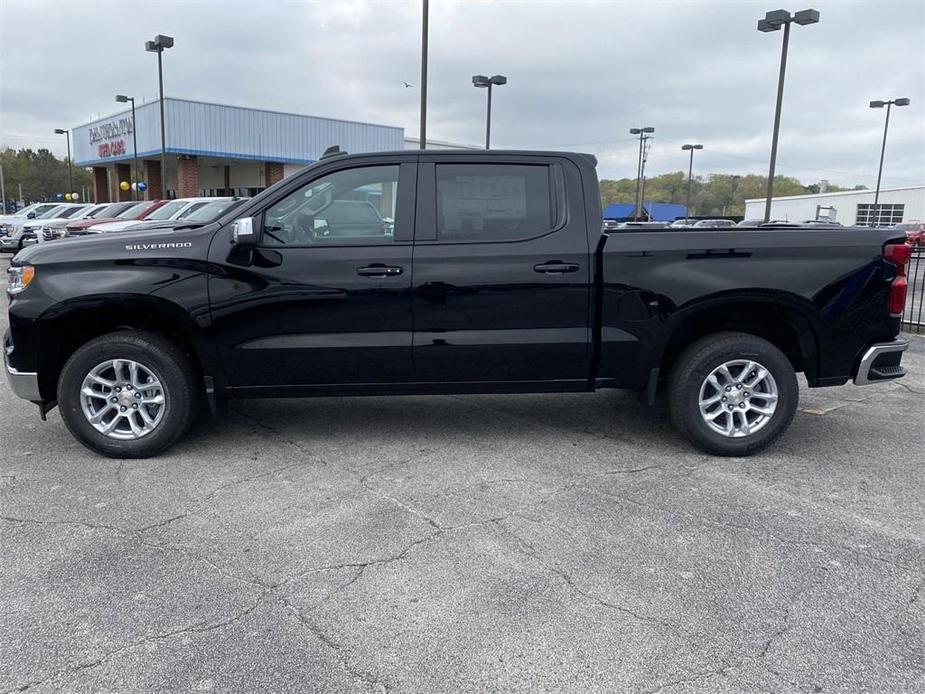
x=568, y=543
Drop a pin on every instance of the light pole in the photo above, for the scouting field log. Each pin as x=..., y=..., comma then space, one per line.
x=70, y=172
x=642, y=135
x=690, y=177
x=773, y=21
x=424, y=28
x=904, y=101
x=483, y=81
x=158, y=45
x=121, y=98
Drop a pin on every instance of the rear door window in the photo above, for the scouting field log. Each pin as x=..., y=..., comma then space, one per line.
x=493, y=202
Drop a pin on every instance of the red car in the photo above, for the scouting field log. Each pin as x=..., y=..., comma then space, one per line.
x=117, y=211
x=915, y=232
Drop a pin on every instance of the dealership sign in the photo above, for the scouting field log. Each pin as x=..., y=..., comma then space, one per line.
x=110, y=137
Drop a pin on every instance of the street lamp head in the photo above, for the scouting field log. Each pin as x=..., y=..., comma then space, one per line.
x=777, y=18
x=635, y=131
x=498, y=80
x=59, y=131
x=766, y=26
x=648, y=129
x=480, y=81
x=687, y=147
x=698, y=146
x=877, y=104
x=159, y=43
x=805, y=17
x=902, y=102
x=122, y=99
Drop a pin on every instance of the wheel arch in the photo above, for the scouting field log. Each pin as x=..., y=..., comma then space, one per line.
x=782, y=320
x=68, y=325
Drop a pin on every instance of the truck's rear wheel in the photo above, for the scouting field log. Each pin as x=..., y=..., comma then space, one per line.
x=733, y=394
x=127, y=394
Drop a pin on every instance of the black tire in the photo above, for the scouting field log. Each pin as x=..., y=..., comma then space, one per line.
x=172, y=367
x=694, y=366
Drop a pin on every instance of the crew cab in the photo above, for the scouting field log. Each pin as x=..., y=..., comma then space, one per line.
x=447, y=272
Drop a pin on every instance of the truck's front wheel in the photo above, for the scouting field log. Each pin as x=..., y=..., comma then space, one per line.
x=733, y=394
x=127, y=394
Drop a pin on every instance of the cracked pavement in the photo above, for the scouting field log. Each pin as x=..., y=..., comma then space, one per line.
x=536, y=543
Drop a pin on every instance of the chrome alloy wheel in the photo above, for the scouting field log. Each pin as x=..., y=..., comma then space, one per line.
x=738, y=398
x=122, y=399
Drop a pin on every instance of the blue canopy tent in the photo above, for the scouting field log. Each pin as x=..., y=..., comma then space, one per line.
x=654, y=211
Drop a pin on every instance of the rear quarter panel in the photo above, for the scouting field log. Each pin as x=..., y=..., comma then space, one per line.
x=836, y=281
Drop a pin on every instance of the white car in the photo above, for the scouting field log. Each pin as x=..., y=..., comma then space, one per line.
x=55, y=228
x=175, y=209
x=11, y=232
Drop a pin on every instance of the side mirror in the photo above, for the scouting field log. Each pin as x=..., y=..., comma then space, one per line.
x=243, y=232
x=30, y=215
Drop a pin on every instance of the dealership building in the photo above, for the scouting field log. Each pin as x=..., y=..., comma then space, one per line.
x=851, y=207
x=213, y=149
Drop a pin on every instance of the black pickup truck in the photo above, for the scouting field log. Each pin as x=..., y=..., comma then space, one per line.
x=447, y=272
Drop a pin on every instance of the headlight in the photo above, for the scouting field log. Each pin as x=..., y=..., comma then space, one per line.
x=19, y=277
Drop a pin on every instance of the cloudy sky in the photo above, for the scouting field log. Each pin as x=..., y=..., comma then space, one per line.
x=580, y=74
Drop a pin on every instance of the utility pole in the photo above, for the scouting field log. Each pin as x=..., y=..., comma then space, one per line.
x=2, y=193
x=424, y=74
x=642, y=133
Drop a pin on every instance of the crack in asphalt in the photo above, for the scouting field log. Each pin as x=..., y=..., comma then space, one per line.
x=824, y=546
x=531, y=551
x=198, y=627
x=693, y=677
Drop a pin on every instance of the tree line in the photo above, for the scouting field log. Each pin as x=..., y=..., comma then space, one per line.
x=40, y=173
x=713, y=194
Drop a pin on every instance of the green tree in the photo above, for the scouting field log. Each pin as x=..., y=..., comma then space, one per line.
x=41, y=174
x=713, y=194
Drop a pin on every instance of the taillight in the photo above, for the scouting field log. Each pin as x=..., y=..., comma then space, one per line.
x=898, y=254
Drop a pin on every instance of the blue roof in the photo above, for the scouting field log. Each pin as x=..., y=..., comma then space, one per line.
x=658, y=211
x=619, y=210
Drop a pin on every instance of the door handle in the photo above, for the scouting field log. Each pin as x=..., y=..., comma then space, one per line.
x=555, y=267
x=377, y=270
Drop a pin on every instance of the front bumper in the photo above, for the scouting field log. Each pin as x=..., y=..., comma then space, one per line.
x=9, y=243
x=881, y=362
x=25, y=384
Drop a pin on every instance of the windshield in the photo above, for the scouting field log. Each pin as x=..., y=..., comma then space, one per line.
x=69, y=212
x=192, y=208
x=169, y=210
x=135, y=210
x=95, y=211
x=212, y=210
x=48, y=213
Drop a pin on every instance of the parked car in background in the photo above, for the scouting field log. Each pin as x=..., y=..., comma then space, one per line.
x=714, y=224
x=779, y=224
x=827, y=223
x=640, y=226
x=170, y=210
x=682, y=223
x=915, y=232
x=51, y=229
x=750, y=223
x=12, y=233
x=114, y=212
x=207, y=213
x=29, y=212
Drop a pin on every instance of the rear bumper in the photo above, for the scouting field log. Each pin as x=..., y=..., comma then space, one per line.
x=881, y=362
x=24, y=384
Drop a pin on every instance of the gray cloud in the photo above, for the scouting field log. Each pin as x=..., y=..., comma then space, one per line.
x=581, y=74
